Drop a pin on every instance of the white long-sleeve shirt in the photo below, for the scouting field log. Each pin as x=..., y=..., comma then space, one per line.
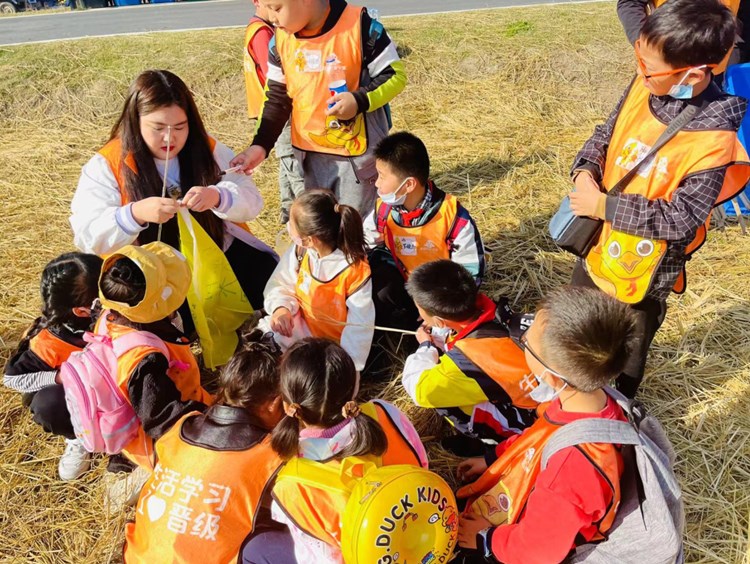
x=356, y=338
x=101, y=224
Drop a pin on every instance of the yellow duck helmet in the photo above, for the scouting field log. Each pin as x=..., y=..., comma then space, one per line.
x=400, y=513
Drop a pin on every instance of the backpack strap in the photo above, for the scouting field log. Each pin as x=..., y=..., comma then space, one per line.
x=590, y=430
x=134, y=339
x=381, y=217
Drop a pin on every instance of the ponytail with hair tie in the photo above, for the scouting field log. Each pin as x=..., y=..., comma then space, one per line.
x=350, y=409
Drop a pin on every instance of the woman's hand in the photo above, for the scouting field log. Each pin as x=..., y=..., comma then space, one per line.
x=471, y=468
x=587, y=199
x=282, y=322
x=154, y=210
x=201, y=198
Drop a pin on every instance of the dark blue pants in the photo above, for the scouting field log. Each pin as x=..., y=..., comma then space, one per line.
x=269, y=547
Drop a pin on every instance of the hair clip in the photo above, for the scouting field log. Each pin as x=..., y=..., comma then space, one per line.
x=350, y=409
x=292, y=409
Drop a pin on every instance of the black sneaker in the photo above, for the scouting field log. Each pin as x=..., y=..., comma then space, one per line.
x=118, y=464
x=463, y=446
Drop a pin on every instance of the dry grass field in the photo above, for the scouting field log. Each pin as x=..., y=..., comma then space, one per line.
x=503, y=99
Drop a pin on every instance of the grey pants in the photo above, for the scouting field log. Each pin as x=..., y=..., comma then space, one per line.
x=291, y=183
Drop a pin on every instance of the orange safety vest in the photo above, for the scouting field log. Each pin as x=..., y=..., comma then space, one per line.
x=319, y=510
x=503, y=361
x=253, y=87
x=184, y=373
x=51, y=349
x=733, y=5
x=412, y=246
x=307, y=84
x=624, y=265
x=501, y=493
x=191, y=505
x=112, y=153
x=323, y=303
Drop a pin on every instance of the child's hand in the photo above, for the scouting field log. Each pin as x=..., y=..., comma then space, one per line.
x=345, y=106
x=249, y=159
x=587, y=199
x=154, y=210
x=201, y=198
x=282, y=322
x=471, y=468
x=423, y=334
x=469, y=525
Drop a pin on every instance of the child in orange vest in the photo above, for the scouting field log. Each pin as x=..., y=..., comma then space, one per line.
x=141, y=289
x=518, y=512
x=322, y=284
x=652, y=227
x=209, y=488
x=332, y=70
x=258, y=35
x=476, y=377
x=68, y=288
x=118, y=200
x=414, y=222
x=324, y=423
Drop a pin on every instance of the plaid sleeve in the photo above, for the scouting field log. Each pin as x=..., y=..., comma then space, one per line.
x=594, y=151
x=675, y=220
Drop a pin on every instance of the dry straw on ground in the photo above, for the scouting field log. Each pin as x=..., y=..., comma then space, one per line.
x=503, y=99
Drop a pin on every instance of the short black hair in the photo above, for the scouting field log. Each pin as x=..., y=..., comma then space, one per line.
x=691, y=32
x=445, y=289
x=588, y=335
x=406, y=155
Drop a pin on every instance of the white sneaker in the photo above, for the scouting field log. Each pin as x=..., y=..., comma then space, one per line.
x=75, y=461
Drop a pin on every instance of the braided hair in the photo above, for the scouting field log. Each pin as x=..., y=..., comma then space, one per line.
x=69, y=281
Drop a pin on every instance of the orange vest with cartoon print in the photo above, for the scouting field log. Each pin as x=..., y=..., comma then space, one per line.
x=307, y=84
x=733, y=5
x=183, y=372
x=112, y=153
x=412, y=246
x=501, y=493
x=621, y=264
x=192, y=506
x=323, y=302
x=253, y=88
x=313, y=494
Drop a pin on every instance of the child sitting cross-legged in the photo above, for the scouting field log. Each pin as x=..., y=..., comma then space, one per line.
x=477, y=377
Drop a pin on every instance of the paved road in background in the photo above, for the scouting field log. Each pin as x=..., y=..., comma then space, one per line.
x=194, y=15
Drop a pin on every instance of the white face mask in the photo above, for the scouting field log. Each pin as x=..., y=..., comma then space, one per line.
x=544, y=393
x=393, y=200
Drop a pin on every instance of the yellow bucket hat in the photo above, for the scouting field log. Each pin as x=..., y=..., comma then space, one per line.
x=167, y=281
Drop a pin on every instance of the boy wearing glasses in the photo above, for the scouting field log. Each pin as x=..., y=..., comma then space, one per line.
x=518, y=512
x=651, y=228
x=476, y=376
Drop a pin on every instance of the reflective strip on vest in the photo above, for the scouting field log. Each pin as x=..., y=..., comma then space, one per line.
x=323, y=304
x=412, y=246
x=192, y=506
x=315, y=501
x=184, y=373
x=624, y=265
x=253, y=87
x=51, y=349
x=501, y=493
x=307, y=83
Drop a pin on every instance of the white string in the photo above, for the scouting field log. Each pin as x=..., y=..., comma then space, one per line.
x=166, y=172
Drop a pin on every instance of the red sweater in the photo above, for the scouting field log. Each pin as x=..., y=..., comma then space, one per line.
x=258, y=48
x=570, y=496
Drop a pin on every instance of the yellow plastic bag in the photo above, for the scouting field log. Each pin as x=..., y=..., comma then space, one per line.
x=217, y=303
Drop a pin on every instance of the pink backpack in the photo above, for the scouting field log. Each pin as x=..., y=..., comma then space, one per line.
x=102, y=418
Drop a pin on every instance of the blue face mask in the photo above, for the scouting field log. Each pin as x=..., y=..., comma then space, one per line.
x=544, y=393
x=393, y=200
x=682, y=91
